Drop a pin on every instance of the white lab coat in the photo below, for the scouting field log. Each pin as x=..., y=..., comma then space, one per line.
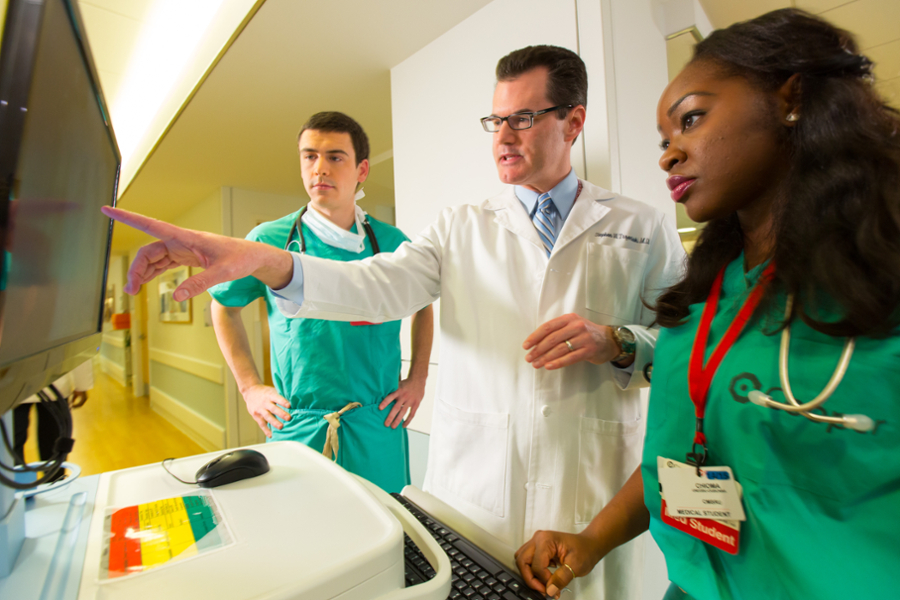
x=514, y=448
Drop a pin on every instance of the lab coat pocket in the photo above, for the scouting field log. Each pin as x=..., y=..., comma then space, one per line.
x=613, y=281
x=608, y=453
x=470, y=460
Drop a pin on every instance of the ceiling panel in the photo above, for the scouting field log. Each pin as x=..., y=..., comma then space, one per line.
x=112, y=37
x=722, y=13
x=818, y=6
x=874, y=22
x=887, y=60
x=134, y=9
x=890, y=91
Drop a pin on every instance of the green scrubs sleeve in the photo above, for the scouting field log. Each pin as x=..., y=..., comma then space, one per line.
x=241, y=292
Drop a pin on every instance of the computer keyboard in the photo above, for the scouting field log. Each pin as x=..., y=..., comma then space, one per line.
x=476, y=576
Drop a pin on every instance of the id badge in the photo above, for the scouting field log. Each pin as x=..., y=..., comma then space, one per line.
x=724, y=534
x=711, y=494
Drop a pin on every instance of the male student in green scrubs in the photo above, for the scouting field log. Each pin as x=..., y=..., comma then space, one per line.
x=337, y=384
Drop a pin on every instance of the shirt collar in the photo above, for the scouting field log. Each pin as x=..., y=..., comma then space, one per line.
x=563, y=196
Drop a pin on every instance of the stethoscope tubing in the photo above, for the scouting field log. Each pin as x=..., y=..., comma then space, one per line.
x=855, y=422
x=298, y=228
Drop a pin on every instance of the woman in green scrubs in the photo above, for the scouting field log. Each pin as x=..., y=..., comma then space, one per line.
x=775, y=137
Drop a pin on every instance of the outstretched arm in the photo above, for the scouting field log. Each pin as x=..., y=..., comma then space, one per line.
x=624, y=518
x=223, y=258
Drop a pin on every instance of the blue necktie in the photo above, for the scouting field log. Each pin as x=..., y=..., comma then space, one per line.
x=545, y=217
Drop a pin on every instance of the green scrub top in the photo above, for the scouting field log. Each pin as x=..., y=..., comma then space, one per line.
x=822, y=502
x=321, y=366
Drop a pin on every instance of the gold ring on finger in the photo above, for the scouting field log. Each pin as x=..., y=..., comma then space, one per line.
x=570, y=570
x=570, y=346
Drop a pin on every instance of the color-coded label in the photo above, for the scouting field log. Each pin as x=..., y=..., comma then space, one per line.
x=149, y=535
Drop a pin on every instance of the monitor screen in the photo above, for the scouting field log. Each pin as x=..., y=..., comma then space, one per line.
x=56, y=239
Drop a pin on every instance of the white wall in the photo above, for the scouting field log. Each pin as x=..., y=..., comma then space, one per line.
x=639, y=58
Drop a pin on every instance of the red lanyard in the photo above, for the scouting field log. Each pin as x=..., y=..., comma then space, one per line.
x=700, y=377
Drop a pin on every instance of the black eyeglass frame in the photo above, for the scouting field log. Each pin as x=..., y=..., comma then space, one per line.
x=529, y=114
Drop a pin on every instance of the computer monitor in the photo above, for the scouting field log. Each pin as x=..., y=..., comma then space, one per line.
x=59, y=163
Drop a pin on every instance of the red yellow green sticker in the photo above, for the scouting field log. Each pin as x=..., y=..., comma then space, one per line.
x=145, y=536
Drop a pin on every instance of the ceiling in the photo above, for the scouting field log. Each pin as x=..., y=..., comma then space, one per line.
x=875, y=23
x=294, y=58
x=298, y=57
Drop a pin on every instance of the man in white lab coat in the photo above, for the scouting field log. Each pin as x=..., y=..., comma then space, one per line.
x=538, y=421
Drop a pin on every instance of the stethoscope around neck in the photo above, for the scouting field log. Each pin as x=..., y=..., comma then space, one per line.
x=297, y=227
x=861, y=423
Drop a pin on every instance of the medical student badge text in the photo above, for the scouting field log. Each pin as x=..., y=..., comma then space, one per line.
x=705, y=506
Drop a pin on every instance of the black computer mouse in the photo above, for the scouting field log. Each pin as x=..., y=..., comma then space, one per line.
x=232, y=466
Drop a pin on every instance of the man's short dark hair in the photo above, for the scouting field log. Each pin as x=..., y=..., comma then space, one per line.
x=567, y=81
x=337, y=122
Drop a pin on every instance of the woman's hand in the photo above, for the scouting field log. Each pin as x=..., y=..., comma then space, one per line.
x=574, y=555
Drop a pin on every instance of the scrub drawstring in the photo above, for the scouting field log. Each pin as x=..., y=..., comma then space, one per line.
x=331, y=436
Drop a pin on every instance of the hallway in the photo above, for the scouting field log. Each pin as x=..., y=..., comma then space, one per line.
x=114, y=430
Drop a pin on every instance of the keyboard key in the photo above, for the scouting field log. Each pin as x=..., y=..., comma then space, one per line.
x=514, y=586
x=468, y=592
x=488, y=564
x=504, y=577
x=490, y=581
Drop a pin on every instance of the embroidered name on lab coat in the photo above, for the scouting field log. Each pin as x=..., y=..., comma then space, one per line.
x=624, y=236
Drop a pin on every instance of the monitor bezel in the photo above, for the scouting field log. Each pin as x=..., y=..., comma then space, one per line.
x=18, y=49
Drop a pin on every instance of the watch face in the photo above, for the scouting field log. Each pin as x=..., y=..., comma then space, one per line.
x=625, y=334
x=625, y=338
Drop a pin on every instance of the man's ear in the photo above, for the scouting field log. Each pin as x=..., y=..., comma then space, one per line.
x=788, y=97
x=575, y=122
x=362, y=171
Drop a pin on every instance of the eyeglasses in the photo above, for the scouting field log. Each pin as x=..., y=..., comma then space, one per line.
x=520, y=120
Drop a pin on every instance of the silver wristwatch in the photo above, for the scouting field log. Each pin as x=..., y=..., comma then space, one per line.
x=626, y=341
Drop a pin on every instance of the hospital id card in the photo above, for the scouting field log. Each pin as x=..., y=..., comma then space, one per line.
x=722, y=534
x=713, y=494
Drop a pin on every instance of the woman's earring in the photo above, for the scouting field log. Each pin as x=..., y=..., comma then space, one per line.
x=793, y=117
